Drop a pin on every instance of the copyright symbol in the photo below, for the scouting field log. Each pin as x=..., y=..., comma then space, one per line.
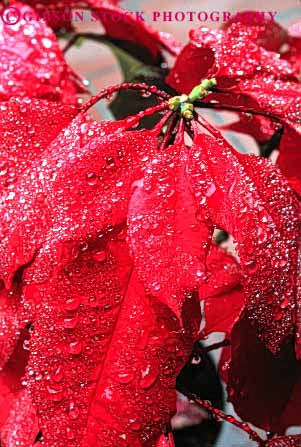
x=10, y=15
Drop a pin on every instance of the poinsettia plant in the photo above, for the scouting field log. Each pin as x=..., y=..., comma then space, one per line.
x=111, y=259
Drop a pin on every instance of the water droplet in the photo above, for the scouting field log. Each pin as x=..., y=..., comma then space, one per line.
x=125, y=377
x=252, y=266
x=278, y=316
x=26, y=345
x=100, y=256
x=196, y=360
x=226, y=366
x=107, y=394
x=70, y=434
x=110, y=161
x=284, y=304
x=148, y=377
x=93, y=302
x=134, y=425
x=73, y=411
x=70, y=323
x=47, y=43
x=145, y=94
x=211, y=190
x=91, y=178
x=72, y=303
x=261, y=235
x=156, y=286
x=148, y=400
x=83, y=246
x=200, y=274
x=84, y=128
x=58, y=375
x=55, y=394
x=3, y=169
x=75, y=347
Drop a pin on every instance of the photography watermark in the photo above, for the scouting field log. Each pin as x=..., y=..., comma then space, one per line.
x=11, y=15
x=209, y=16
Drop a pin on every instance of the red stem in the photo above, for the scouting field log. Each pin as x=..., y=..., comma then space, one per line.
x=180, y=138
x=133, y=120
x=169, y=436
x=162, y=96
x=226, y=417
x=157, y=128
x=171, y=440
x=211, y=129
x=169, y=129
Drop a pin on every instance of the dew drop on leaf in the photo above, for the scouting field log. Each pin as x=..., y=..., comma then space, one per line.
x=75, y=347
x=125, y=378
x=148, y=377
x=100, y=256
x=58, y=375
x=55, y=394
x=91, y=178
x=73, y=411
x=70, y=323
x=72, y=303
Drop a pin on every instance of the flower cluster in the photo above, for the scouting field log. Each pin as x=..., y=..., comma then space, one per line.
x=109, y=234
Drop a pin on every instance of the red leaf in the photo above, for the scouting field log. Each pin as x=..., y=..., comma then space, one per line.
x=266, y=95
x=281, y=99
x=290, y=413
x=9, y=323
x=18, y=424
x=271, y=35
x=27, y=127
x=219, y=54
x=164, y=442
x=289, y=159
x=31, y=62
x=65, y=194
x=222, y=311
x=169, y=244
x=259, y=127
x=89, y=292
x=111, y=352
x=275, y=97
x=223, y=273
x=260, y=384
x=248, y=197
x=21, y=427
x=222, y=294
x=293, y=53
